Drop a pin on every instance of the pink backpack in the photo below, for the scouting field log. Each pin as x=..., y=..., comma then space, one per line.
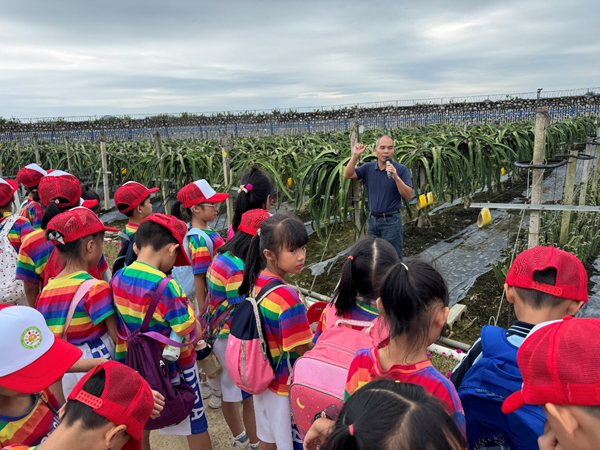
x=320, y=375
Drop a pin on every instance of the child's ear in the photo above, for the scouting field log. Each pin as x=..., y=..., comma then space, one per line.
x=562, y=415
x=269, y=254
x=173, y=249
x=61, y=412
x=379, y=306
x=441, y=316
x=136, y=250
x=573, y=307
x=113, y=433
x=510, y=293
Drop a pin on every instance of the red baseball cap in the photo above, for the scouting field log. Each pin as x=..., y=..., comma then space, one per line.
x=199, y=192
x=75, y=224
x=7, y=191
x=560, y=364
x=126, y=399
x=131, y=194
x=30, y=175
x=252, y=221
x=32, y=358
x=178, y=229
x=571, y=277
x=62, y=184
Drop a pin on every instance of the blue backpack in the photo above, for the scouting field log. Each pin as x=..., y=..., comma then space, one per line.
x=485, y=386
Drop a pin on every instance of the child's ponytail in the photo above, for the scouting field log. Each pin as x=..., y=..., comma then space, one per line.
x=363, y=272
x=53, y=210
x=255, y=262
x=179, y=212
x=408, y=292
x=255, y=189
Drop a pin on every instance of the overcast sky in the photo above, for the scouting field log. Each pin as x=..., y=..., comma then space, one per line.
x=73, y=57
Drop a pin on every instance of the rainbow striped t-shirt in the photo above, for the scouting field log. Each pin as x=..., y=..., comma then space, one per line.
x=223, y=280
x=286, y=327
x=34, y=254
x=131, y=228
x=33, y=212
x=362, y=311
x=18, y=232
x=34, y=426
x=88, y=320
x=365, y=368
x=133, y=288
x=201, y=257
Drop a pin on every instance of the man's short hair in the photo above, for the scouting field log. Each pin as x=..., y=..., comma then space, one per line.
x=384, y=136
x=154, y=235
x=538, y=299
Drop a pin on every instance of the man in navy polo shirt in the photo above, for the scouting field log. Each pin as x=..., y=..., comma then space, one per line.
x=384, y=194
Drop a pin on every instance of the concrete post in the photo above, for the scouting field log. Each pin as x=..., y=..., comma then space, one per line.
x=161, y=167
x=36, y=148
x=225, y=146
x=68, y=147
x=105, y=172
x=354, y=135
x=568, y=198
x=585, y=176
x=542, y=119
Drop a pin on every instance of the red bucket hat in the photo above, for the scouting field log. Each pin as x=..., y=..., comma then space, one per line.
x=178, y=229
x=131, y=194
x=30, y=175
x=199, y=192
x=560, y=364
x=62, y=184
x=32, y=358
x=7, y=191
x=125, y=400
x=75, y=224
x=571, y=277
x=252, y=221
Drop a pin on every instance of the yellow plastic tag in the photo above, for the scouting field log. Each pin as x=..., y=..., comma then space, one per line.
x=224, y=154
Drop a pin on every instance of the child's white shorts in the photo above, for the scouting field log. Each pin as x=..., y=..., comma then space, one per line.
x=97, y=348
x=273, y=419
x=231, y=393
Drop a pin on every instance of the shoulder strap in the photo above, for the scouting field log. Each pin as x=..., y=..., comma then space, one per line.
x=154, y=303
x=9, y=222
x=267, y=289
x=81, y=291
x=494, y=343
x=207, y=240
x=123, y=236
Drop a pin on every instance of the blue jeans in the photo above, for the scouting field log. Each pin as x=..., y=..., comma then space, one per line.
x=389, y=228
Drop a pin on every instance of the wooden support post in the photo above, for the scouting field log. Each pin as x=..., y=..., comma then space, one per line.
x=568, y=198
x=596, y=174
x=585, y=176
x=105, y=172
x=225, y=146
x=206, y=135
x=19, y=152
x=161, y=168
x=36, y=148
x=354, y=135
x=68, y=146
x=542, y=119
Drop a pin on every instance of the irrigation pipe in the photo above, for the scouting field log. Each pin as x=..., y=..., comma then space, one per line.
x=308, y=293
x=434, y=348
x=452, y=343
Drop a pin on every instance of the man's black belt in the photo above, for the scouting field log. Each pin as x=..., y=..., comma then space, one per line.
x=386, y=214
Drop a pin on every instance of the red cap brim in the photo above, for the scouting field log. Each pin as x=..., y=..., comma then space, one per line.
x=182, y=257
x=217, y=198
x=116, y=230
x=13, y=184
x=89, y=204
x=45, y=370
x=513, y=402
x=153, y=190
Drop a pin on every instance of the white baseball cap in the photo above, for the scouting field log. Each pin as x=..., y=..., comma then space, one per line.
x=32, y=357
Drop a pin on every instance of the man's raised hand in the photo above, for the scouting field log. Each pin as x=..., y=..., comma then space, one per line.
x=358, y=148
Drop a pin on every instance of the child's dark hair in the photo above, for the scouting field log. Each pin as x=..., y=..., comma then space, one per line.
x=387, y=415
x=255, y=198
x=33, y=191
x=154, y=235
x=53, y=210
x=89, y=194
x=72, y=250
x=238, y=245
x=77, y=411
x=538, y=299
x=130, y=212
x=363, y=271
x=408, y=292
x=277, y=232
x=181, y=213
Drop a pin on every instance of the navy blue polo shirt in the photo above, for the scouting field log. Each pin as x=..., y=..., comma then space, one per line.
x=382, y=193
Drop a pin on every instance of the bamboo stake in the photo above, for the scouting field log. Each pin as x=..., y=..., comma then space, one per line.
x=225, y=146
x=542, y=119
x=68, y=146
x=585, y=176
x=354, y=135
x=596, y=175
x=568, y=198
x=105, y=172
x=161, y=167
x=36, y=147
